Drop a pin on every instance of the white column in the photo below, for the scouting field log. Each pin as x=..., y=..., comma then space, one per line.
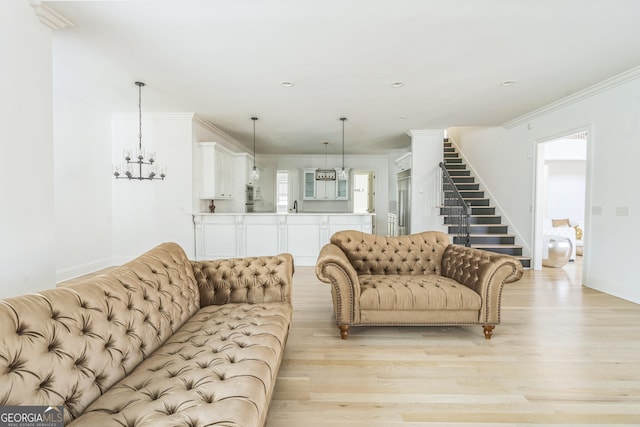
x=426, y=149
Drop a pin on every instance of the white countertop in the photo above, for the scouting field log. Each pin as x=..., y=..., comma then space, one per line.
x=288, y=213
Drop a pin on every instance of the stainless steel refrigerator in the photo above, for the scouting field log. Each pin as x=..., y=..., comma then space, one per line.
x=404, y=202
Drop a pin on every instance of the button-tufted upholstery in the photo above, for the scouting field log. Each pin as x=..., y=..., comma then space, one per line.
x=419, y=279
x=250, y=280
x=132, y=347
x=372, y=254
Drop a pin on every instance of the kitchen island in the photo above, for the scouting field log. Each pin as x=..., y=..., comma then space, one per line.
x=234, y=235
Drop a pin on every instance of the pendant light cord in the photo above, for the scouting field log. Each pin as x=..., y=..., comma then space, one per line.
x=343, y=120
x=254, y=141
x=140, y=84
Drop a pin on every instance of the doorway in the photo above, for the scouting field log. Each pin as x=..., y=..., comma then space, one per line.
x=364, y=194
x=561, y=191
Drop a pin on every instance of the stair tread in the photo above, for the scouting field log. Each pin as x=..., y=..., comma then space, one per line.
x=491, y=235
x=494, y=245
x=467, y=198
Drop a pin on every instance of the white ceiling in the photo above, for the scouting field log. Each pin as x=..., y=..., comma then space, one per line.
x=225, y=60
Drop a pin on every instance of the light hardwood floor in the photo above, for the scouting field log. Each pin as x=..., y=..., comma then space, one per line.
x=564, y=355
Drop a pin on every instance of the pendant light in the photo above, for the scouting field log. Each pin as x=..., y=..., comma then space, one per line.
x=139, y=158
x=254, y=172
x=325, y=174
x=343, y=173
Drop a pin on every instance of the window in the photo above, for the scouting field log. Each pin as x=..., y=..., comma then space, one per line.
x=282, y=191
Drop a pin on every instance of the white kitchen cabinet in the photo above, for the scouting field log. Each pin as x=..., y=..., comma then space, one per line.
x=313, y=189
x=342, y=186
x=217, y=171
x=309, y=184
x=403, y=162
x=239, y=235
x=325, y=190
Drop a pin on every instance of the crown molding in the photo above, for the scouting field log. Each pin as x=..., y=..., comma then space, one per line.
x=426, y=132
x=219, y=132
x=48, y=16
x=593, y=90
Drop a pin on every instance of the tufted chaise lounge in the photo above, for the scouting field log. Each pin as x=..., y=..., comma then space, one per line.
x=419, y=279
x=159, y=341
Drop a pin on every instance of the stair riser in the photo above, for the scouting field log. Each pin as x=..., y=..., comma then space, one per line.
x=464, y=193
x=451, y=156
x=454, y=166
x=463, y=179
x=475, y=220
x=481, y=202
x=476, y=240
x=467, y=187
x=477, y=210
x=472, y=194
x=454, y=173
x=481, y=229
x=454, y=202
x=506, y=251
x=451, y=201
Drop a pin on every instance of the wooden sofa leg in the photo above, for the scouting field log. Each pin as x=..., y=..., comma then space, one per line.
x=488, y=331
x=344, y=331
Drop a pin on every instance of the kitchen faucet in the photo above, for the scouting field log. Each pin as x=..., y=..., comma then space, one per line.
x=295, y=205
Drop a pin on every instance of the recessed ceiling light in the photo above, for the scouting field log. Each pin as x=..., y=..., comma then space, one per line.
x=397, y=83
x=287, y=83
x=401, y=117
x=508, y=83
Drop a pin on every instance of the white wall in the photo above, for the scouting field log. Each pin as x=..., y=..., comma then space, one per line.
x=83, y=179
x=504, y=157
x=26, y=152
x=147, y=213
x=427, y=147
x=566, y=187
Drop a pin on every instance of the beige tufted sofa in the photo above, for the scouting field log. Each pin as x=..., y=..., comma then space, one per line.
x=160, y=341
x=419, y=279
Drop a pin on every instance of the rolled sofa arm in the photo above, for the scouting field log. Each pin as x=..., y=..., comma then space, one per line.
x=484, y=272
x=333, y=267
x=244, y=280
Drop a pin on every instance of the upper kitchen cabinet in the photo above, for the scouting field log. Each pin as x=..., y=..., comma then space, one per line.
x=309, y=184
x=313, y=189
x=217, y=171
x=342, y=186
x=403, y=162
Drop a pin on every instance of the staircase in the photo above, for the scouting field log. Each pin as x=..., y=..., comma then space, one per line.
x=486, y=229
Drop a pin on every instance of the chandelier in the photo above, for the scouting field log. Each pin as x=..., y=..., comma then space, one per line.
x=139, y=157
x=325, y=174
